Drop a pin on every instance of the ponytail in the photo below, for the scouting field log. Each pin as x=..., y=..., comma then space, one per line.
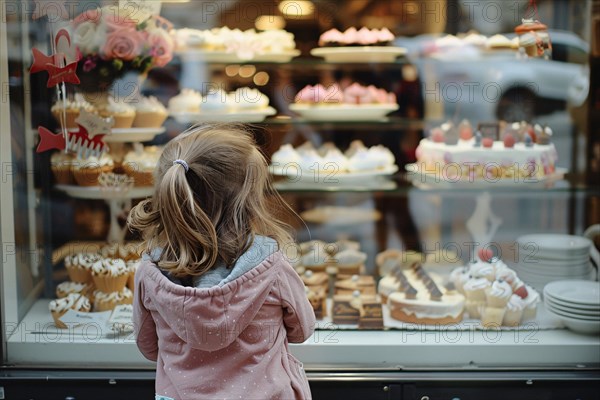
x=212, y=197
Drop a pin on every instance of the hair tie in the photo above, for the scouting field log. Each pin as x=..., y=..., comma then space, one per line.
x=183, y=164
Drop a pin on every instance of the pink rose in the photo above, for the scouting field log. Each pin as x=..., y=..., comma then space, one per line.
x=161, y=47
x=124, y=44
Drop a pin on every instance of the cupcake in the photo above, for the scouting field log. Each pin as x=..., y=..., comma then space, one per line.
x=349, y=261
x=474, y=290
x=531, y=303
x=141, y=163
x=188, y=101
x=87, y=170
x=70, y=109
x=122, y=113
x=458, y=277
x=108, y=301
x=79, y=266
x=497, y=295
x=481, y=269
x=66, y=288
x=132, y=265
x=73, y=301
x=149, y=113
x=61, y=164
x=127, y=251
x=514, y=311
x=110, y=274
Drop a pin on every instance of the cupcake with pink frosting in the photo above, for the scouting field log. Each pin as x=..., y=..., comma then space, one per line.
x=353, y=37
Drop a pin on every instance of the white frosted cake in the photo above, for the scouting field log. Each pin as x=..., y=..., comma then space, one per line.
x=524, y=152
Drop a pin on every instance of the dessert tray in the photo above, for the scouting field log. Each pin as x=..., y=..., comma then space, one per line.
x=103, y=193
x=344, y=112
x=433, y=179
x=237, y=116
x=226, y=57
x=544, y=320
x=359, y=54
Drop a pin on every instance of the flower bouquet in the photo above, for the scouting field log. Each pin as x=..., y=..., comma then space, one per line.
x=110, y=43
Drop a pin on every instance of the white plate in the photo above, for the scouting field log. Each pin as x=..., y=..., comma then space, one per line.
x=576, y=312
x=294, y=174
x=359, y=54
x=551, y=243
x=573, y=306
x=545, y=271
x=570, y=314
x=237, y=116
x=225, y=57
x=429, y=179
x=344, y=112
x=100, y=193
x=586, y=327
x=535, y=261
x=574, y=291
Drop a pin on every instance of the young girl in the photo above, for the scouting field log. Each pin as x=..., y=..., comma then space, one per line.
x=216, y=302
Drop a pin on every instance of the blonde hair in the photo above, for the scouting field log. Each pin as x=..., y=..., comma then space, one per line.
x=210, y=213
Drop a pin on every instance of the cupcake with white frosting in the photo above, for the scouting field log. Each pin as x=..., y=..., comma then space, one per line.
x=61, y=164
x=122, y=113
x=66, y=288
x=149, y=113
x=79, y=266
x=110, y=274
x=514, y=311
x=66, y=112
x=73, y=301
x=108, y=301
x=87, y=170
x=187, y=101
x=141, y=163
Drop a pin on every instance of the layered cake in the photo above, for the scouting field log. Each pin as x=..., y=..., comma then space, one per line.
x=356, y=308
x=414, y=296
x=356, y=37
x=317, y=297
x=364, y=284
x=456, y=153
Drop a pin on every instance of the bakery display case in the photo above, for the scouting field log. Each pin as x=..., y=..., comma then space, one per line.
x=447, y=242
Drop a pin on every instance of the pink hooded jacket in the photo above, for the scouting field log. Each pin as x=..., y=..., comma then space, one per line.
x=227, y=341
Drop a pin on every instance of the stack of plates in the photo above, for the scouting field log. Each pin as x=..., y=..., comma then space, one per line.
x=545, y=258
x=576, y=303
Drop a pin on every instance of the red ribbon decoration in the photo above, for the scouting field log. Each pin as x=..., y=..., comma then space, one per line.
x=52, y=64
x=67, y=74
x=78, y=141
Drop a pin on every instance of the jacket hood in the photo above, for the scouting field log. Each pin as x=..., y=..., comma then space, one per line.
x=211, y=318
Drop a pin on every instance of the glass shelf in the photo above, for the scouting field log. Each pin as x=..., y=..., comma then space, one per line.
x=312, y=62
x=399, y=185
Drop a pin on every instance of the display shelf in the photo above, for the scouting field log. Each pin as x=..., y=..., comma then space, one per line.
x=36, y=342
x=571, y=184
x=354, y=54
x=315, y=63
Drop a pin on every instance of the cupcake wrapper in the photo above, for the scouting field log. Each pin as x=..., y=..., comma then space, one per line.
x=63, y=175
x=474, y=308
x=149, y=120
x=109, y=284
x=491, y=317
x=512, y=317
x=79, y=275
x=56, y=315
x=131, y=281
x=123, y=121
x=110, y=305
x=71, y=117
x=498, y=302
x=89, y=176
